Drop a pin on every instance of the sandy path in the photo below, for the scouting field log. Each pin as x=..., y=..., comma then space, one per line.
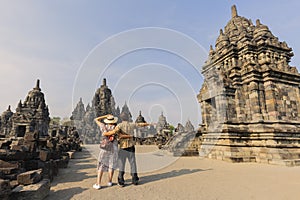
x=183, y=178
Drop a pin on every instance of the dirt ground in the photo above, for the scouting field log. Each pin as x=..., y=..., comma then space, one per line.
x=165, y=177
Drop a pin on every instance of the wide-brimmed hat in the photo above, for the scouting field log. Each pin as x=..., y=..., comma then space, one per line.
x=111, y=120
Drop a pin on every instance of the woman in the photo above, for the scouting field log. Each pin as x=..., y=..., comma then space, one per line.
x=107, y=160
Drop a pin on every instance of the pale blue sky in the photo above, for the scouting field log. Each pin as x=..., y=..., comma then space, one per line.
x=51, y=40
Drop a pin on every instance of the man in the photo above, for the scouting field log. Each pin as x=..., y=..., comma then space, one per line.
x=127, y=148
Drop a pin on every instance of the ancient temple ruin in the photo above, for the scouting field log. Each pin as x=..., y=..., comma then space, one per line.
x=6, y=122
x=103, y=103
x=103, y=100
x=162, y=126
x=79, y=111
x=250, y=98
x=126, y=113
x=30, y=116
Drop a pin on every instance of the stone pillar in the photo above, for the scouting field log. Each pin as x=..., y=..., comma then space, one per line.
x=221, y=108
x=262, y=101
x=271, y=103
x=254, y=102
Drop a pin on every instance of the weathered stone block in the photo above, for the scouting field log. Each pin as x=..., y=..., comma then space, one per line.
x=18, y=141
x=55, y=155
x=8, y=168
x=33, y=136
x=5, y=189
x=62, y=163
x=14, y=155
x=13, y=183
x=30, y=145
x=19, y=148
x=31, y=165
x=4, y=164
x=44, y=155
x=4, y=143
x=47, y=169
x=35, y=191
x=51, y=144
x=30, y=177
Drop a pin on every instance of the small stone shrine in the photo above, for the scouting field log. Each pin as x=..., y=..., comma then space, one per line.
x=162, y=126
x=145, y=132
x=30, y=116
x=126, y=112
x=79, y=111
x=250, y=98
x=6, y=122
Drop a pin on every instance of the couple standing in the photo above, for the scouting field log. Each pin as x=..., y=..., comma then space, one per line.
x=111, y=158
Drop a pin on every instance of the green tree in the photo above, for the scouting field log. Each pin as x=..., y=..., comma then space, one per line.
x=55, y=121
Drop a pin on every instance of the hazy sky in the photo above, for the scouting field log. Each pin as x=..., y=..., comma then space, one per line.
x=147, y=50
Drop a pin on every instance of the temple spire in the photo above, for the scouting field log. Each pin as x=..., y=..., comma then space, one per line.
x=221, y=32
x=20, y=104
x=258, y=22
x=104, y=82
x=37, y=84
x=233, y=11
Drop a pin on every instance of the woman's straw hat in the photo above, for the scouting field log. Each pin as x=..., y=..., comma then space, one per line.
x=111, y=120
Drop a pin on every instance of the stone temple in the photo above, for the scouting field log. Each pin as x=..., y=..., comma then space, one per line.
x=250, y=98
x=30, y=116
x=103, y=103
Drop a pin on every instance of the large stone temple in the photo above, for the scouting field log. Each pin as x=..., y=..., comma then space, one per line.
x=103, y=100
x=103, y=103
x=250, y=98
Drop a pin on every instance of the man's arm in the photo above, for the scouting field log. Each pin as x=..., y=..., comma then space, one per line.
x=124, y=136
x=143, y=124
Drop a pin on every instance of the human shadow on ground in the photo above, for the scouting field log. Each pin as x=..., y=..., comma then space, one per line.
x=64, y=194
x=166, y=175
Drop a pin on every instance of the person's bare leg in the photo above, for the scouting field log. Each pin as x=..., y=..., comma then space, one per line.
x=110, y=176
x=99, y=177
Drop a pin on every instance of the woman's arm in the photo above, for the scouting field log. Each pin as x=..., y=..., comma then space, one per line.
x=97, y=120
x=112, y=132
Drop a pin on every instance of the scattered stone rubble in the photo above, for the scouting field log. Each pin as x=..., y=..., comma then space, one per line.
x=184, y=142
